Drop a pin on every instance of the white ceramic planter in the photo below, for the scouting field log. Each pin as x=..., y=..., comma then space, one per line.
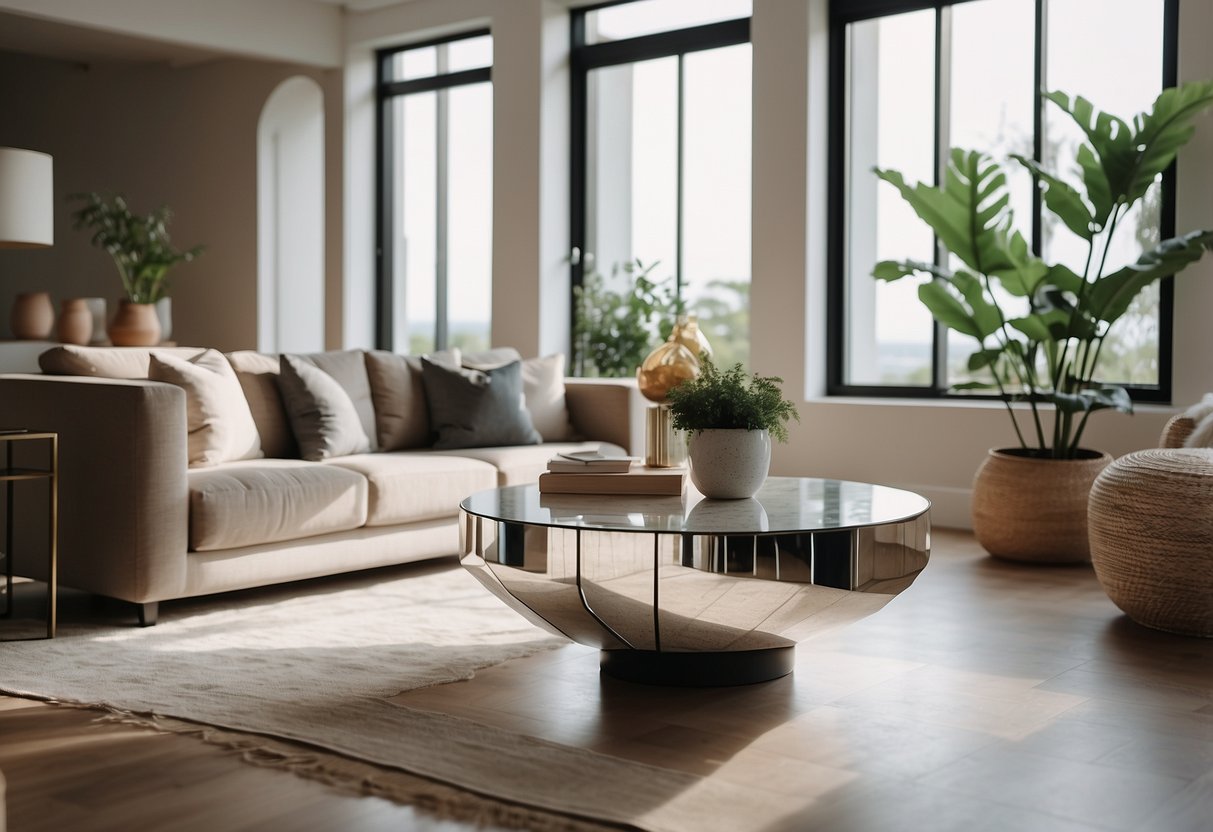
x=730, y=464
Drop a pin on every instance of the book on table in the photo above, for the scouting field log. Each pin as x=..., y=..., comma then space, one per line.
x=587, y=462
x=637, y=480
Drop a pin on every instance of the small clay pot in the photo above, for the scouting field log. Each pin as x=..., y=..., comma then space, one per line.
x=135, y=325
x=75, y=322
x=33, y=316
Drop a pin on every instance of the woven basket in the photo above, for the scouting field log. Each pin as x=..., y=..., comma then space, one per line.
x=1176, y=431
x=1034, y=510
x=1151, y=527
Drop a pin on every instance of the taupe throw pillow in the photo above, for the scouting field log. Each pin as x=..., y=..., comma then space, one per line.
x=402, y=420
x=477, y=408
x=220, y=424
x=322, y=415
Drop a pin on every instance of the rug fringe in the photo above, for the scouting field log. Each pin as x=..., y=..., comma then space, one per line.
x=432, y=797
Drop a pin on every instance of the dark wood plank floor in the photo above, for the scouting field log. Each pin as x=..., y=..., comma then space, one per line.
x=990, y=696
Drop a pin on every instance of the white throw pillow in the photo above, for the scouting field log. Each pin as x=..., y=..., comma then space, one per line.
x=544, y=395
x=221, y=426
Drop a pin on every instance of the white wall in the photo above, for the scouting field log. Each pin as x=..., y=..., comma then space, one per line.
x=933, y=447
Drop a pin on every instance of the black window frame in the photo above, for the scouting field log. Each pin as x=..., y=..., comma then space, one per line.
x=584, y=57
x=845, y=12
x=387, y=90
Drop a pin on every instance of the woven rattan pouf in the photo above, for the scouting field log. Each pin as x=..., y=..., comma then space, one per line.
x=1150, y=520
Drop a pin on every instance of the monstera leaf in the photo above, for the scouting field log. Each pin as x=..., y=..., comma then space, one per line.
x=1109, y=297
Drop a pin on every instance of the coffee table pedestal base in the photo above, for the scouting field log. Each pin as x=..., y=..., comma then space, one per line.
x=698, y=670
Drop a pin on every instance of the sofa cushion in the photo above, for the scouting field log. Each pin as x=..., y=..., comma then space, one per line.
x=521, y=464
x=221, y=428
x=477, y=408
x=271, y=500
x=406, y=487
x=323, y=418
x=258, y=374
x=106, y=362
x=402, y=420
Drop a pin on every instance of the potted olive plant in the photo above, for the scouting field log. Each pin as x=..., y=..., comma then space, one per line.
x=1040, y=327
x=731, y=418
x=143, y=253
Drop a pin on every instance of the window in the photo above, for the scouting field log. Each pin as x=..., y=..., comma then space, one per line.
x=661, y=155
x=911, y=79
x=436, y=199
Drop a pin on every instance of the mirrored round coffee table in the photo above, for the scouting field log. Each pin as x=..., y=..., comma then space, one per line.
x=690, y=591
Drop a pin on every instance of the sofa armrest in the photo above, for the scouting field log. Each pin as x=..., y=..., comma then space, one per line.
x=123, y=490
x=607, y=410
x=1176, y=431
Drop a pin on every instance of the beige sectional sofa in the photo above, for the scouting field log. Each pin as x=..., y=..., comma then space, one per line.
x=137, y=523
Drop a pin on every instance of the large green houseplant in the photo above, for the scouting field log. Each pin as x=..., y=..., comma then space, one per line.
x=1041, y=326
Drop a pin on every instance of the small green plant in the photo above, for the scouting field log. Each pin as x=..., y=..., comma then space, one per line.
x=614, y=331
x=140, y=245
x=729, y=399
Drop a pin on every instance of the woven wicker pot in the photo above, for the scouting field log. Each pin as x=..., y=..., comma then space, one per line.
x=1151, y=520
x=1033, y=509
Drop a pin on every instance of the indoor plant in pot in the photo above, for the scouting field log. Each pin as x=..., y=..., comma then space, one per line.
x=731, y=418
x=143, y=253
x=1039, y=326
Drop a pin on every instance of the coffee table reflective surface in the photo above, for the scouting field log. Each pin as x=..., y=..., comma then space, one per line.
x=690, y=591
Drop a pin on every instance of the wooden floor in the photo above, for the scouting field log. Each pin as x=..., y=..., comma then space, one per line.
x=990, y=696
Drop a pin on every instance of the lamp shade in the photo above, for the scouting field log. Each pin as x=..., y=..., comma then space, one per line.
x=27, y=189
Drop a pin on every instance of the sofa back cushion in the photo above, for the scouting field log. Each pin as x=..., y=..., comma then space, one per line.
x=107, y=362
x=221, y=427
x=402, y=421
x=258, y=373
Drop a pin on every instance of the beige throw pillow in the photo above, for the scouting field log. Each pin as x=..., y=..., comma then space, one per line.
x=402, y=420
x=322, y=414
x=220, y=424
x=544, y=394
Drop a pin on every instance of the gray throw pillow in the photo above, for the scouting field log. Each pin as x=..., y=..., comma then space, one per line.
x=477, y=408
x=322, y=415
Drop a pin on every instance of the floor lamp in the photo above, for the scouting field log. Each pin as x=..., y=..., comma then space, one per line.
x=27, y=218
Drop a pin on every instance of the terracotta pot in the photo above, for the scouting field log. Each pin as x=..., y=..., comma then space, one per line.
x=730, y=464
x=135, y=325
x=33, y=316
x=1035, y=509
x=75, y=322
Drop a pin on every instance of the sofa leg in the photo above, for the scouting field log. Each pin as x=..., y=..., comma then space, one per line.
x=148, y=613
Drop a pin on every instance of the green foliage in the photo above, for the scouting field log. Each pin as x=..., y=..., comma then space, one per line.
x=140, y=245
x=1051, y=354
x=614, y=331
x=729, y=399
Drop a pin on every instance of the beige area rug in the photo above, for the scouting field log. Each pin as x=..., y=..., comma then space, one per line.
x=315, y=663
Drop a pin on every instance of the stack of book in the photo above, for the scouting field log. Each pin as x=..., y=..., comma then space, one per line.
x=595, y=473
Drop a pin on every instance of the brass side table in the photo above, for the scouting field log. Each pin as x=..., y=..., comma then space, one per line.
x=11, y=474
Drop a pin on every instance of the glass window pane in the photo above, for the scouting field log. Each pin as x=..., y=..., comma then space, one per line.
x=415, y=252
x=470, y=217
x=469, y=53
x=891, y=106
x=716, y=197
x=632, y=168
x=648, y=17
x=1117, y=66
x=992, y=111
x=415, y=63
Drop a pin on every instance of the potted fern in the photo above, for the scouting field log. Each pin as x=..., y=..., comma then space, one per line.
x=143, y=253
x=731, y=418
x=1041, y=327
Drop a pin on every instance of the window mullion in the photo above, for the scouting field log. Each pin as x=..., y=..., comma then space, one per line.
x=441, y=207
x=943, y=121
x=1038, y=122
x=678, y=196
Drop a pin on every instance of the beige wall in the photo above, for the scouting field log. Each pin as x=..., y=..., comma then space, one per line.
x=185, y=137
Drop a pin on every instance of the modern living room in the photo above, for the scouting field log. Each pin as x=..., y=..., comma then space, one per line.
x=391, y=178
